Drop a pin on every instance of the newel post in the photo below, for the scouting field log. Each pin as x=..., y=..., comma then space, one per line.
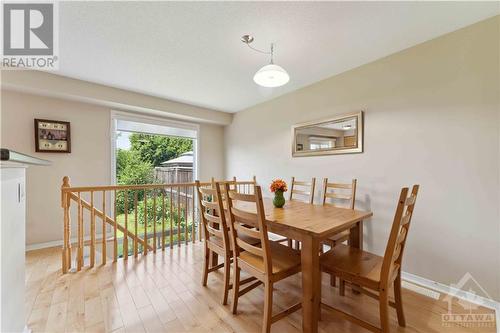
x=65, y=204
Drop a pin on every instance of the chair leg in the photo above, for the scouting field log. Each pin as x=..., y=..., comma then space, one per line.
x=399, y=301
x=236, y=286
x=333, y=280
x=384, y=310
x=205, y=267
x=289, y=242
x=320, y=295
x=341, y=287
x=227, y=273
x=268, y=307
x=297, y=245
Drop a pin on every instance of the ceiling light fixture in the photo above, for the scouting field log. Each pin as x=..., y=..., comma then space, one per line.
x=270, y=75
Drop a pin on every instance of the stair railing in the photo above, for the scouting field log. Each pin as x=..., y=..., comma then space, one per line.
x=129, y=219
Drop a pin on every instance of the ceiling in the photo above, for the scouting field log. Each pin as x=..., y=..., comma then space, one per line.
x=191, y=51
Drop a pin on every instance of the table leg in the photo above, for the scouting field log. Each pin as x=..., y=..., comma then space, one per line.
x=356, y=235
x=311, y=284
x=356, y=240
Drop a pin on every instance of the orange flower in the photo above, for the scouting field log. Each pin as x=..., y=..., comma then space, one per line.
x=278, y=185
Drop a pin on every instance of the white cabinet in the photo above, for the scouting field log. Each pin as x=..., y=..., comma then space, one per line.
x=12, y=247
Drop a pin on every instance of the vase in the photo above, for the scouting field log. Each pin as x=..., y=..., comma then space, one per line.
x=279, y=199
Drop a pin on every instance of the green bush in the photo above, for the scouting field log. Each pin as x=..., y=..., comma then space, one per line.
x=131, y=170
x=136, y=166
x=159, y=212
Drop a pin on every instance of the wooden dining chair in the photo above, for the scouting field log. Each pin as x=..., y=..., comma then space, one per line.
x=247, y=187
x=234, y=185
x=216, y=234
x=332, y=193
x=342, y=192
x=305, y=191
x=368, y=272
x=269, y=262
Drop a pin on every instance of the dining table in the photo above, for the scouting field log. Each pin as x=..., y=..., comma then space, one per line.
x=311, y=224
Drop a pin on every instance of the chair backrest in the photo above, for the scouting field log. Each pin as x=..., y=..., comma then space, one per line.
x=232, y=182
x=249, y=224
x=246, y=186
x=337, y=191
x=305, y=189
x=399, y=233
x=240, y=186
x=212, y=214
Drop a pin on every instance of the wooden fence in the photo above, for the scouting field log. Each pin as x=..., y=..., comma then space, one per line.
x=170, y=175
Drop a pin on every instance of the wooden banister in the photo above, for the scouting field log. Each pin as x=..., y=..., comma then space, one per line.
x=175, y=202
x=135, y=187
x=65, y=203
x=109, y=220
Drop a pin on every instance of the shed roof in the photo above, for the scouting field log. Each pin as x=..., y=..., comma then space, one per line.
x=185, y=159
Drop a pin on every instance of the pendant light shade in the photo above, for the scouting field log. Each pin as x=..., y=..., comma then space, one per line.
x=271, y=76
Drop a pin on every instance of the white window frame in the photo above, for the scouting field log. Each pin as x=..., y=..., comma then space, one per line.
x=147, y=119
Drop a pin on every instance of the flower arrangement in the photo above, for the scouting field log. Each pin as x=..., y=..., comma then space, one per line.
x=278, y=185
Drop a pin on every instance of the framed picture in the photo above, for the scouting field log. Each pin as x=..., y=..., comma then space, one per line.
x=52, y=136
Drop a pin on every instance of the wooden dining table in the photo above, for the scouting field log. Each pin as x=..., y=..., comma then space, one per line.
x=311, y=224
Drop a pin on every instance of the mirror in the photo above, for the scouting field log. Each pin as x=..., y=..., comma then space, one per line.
x=339, y=135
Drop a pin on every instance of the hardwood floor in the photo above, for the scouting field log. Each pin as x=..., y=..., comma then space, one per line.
x=163, y=293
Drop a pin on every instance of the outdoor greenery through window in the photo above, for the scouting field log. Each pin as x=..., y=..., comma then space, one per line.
x=146, y=159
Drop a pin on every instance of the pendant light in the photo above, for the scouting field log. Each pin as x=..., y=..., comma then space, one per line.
x=271, y=75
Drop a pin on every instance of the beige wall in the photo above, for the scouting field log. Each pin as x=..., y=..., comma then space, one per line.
x=89, y=160
x=211, y=152
x=47, y=84
x=431, y=117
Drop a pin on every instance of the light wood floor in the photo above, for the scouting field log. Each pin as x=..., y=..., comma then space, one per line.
x=163, y=293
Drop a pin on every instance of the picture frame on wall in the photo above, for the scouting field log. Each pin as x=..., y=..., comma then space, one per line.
x=339, y=134
x=52, y=136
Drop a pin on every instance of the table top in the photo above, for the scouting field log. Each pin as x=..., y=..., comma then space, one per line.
x=317, y=220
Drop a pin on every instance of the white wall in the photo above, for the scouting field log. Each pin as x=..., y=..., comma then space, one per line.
x=431, y=118
x=89, y=160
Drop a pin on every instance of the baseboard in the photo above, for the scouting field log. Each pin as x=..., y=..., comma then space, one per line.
x=38, y=246
x=458, y=293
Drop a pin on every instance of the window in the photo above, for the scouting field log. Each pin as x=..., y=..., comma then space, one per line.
x=152, y=149
x=316, y=143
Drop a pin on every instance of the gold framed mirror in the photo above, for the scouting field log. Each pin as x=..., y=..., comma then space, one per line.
x=342, y=134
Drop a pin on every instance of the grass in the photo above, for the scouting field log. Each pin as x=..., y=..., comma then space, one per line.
x=140, y=231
